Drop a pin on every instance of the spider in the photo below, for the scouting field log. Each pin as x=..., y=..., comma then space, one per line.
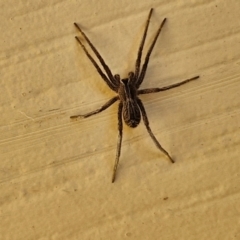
x=130, y=107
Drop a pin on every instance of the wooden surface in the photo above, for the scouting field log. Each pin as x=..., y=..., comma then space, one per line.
x=55, y=174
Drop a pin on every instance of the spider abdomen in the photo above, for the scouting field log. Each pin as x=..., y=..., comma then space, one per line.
x=131, y=113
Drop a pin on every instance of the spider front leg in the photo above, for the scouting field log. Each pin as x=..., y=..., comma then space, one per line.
x=139, y=80
x=139, y=56
x=110, y=80
x=104, y=107
x=119, y=143
x=146, y=122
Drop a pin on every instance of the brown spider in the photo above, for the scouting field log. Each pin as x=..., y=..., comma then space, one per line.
x=130, y=107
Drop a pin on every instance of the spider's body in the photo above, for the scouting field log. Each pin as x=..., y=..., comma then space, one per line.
x=130, y=106
x=128, y=97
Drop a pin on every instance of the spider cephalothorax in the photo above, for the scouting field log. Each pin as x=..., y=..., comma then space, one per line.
x=130, y=106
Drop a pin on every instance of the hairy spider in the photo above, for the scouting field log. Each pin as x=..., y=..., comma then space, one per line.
x=130, y=107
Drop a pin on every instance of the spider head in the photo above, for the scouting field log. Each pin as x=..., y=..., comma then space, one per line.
x=130, y=78
x=127, y=80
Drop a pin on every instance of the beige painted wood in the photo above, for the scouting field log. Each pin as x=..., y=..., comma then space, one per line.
x=55, y=174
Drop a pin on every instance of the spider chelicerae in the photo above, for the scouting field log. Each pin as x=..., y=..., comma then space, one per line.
x=130, y=106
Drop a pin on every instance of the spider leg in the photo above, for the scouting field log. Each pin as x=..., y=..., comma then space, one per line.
x=146, y=122
x=154, y=90
x=104, y=107
x=119, y=143
x=139, y=56
x=104, y=77
x=144, y=67
x=112, y=81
